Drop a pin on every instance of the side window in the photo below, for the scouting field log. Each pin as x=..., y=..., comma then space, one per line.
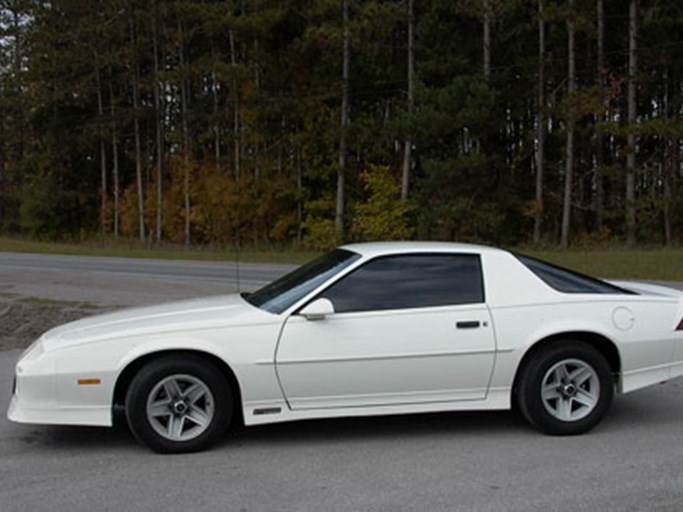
x=409, y=281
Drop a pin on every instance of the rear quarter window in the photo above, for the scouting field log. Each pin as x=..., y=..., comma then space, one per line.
x=567, y=281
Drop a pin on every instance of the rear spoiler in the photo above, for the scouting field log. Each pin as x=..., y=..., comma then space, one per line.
x=662, y=289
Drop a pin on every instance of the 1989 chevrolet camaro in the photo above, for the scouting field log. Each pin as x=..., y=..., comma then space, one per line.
x=367, y=329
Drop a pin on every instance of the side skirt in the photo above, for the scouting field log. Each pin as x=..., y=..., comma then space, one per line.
x=259, y=413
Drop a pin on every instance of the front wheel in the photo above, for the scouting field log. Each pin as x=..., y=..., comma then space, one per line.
x=177, y=405
x=566, y=388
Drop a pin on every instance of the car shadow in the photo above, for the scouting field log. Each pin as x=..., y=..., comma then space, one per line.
x=85, y=438
x=338, y=430
x=636, y=412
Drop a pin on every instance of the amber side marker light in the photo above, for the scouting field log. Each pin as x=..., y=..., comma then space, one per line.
x=88, y=382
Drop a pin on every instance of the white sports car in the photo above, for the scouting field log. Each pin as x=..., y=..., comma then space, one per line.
x=367, y=329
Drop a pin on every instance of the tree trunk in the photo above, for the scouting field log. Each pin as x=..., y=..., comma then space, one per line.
x=408, y=144
x=186, y=143
x=631, y=120
x=299, y=200
x=668, y=195
x=487, y=39
x=341, y=172
x=669, y=168
x=540, y=134
x=136, y=129
x=216, y=124
x=3, y=152
x=115, y=160
x=236, y=109
x=17, y=74
x=158, y=119
x=569, y=149
x=103, y=151
x=599, y=142
x=673, y=188
x=257, y=84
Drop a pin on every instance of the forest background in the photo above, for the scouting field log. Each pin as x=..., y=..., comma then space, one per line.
x=304, y=123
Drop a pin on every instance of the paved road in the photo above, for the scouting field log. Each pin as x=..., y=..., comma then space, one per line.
x=115, y=282
x=443, y=462
x=249, y=274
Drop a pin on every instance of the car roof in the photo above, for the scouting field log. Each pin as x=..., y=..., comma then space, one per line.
x=372, y=249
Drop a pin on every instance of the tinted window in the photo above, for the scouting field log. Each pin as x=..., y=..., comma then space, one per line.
x=409, y=281
x=284, y=292
x=567, y=281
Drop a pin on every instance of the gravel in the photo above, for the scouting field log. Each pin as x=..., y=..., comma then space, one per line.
x=23, y=319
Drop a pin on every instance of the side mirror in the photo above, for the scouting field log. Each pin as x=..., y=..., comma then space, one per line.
x=318, y=310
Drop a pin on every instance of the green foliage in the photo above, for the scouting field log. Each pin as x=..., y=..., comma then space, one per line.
x=454, y=210
x=46, y=211
x=321, y=233
x=383, y=215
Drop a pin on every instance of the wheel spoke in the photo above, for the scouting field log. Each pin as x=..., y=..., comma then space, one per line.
x=562, y=373
x=550, y=392
x=198, y=416
x=159, y=408
x=172, y=389
x=581, y=375
x=194, y=393
x=554, y=379
x=170, y=427
x=178, y=424
x=564, y=408
x=585, y=398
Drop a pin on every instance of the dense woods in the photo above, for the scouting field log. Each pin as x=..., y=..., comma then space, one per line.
x=280, y=122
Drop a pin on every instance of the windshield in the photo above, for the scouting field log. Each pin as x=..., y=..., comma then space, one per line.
x=285, y=291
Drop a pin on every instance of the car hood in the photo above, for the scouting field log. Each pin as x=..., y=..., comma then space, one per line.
x=188, y=315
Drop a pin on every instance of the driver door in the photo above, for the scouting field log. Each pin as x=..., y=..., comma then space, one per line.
x=406, y=329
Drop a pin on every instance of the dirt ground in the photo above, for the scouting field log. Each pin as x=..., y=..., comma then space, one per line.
x=33, y=302
x=23, y=319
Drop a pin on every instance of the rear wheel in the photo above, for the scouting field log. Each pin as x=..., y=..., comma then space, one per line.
x=177, y=405
x=565, y=388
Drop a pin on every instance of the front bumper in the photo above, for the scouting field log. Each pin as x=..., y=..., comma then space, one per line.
x=35, y=395
x=96, y=416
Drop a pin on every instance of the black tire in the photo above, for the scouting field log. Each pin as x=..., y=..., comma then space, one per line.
x=200, y=404
x=581, y=402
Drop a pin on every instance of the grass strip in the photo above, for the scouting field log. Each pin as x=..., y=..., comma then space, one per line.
x=128, y=249
x=651, y=264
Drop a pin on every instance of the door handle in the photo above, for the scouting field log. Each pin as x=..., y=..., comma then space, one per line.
x=471, y=324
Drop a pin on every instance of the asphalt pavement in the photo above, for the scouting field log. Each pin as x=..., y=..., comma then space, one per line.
x=115, y=282
x=489, y=461
x=247, y=274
